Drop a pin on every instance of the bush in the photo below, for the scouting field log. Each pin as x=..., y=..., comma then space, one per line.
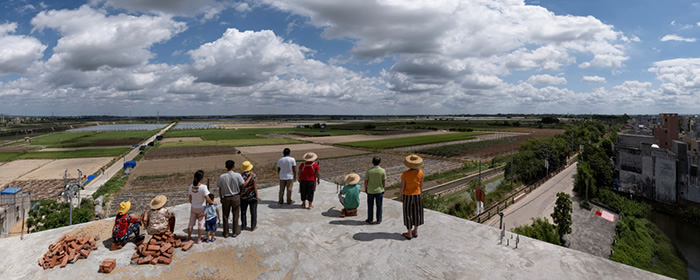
x=50, y=214
x=540, y=229
x=369, y=126
x=622, y=205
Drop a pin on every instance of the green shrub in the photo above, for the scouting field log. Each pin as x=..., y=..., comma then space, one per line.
x=50, y=214
x=540, y=229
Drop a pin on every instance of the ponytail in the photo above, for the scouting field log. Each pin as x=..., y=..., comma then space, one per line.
x=198, y=176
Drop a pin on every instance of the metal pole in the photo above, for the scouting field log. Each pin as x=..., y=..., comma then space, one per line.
x=70, y=201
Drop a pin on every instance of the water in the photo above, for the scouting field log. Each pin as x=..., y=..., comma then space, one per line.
x=684, y=236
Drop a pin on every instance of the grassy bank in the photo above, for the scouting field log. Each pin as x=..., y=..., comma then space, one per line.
x=412, y=141
x=111, y=186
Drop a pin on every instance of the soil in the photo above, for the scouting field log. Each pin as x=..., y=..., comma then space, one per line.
x=181, y=139
x=188, y=152
x=100, y=229
x=487, y=153
x=362, y=137
x=326, y=152
x=41, y=189
x=185, y=165
x=56, y=169
x=12, y=170
x=278, y=148
x=116, y=142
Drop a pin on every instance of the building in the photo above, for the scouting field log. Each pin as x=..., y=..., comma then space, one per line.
x=659, y=167
x=14, y=207
x=667, y=131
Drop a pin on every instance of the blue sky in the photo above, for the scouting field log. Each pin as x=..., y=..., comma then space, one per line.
x=181, y=57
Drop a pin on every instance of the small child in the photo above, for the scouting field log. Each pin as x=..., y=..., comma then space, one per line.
x=212, y=212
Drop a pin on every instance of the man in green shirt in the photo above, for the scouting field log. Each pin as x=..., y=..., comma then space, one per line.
x=375, y=182
x=350, y=195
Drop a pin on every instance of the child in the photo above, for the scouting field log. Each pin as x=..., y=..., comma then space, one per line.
x=212, y=213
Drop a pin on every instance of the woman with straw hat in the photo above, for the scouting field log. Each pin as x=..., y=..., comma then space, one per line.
x=349, y=196
x=158, y=220
x=411, y=189
x=125, y=225
x=308, y=178
x=249, y=196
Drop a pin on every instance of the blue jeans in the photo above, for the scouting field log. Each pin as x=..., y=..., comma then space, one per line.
x=371, y=198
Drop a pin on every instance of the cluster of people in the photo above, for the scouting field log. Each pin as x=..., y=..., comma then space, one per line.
x=238, y=194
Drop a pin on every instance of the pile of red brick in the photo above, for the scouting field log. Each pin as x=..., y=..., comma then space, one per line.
x=107, y=265
x=159, y=249
x=67, y=249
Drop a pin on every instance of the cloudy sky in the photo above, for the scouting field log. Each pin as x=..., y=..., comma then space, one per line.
x=184, y=57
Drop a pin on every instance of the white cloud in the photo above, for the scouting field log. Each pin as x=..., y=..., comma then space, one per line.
x=594, y=79
x=674, y=37
x=18, y=52
x=90, y=39
x=208, y=8
x=679, y=76
x=546, y=80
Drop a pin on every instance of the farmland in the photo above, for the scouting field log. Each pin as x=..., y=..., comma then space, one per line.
x=110, y=152
x=461, y=149
x=186, y=152
x=411, y=141
x=85, y=139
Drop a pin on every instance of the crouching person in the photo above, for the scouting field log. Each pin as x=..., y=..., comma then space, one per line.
x=125, y=225
x=349, y=196
x=159, y=220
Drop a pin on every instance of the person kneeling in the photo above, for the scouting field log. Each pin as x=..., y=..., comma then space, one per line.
x=125, y=225
x=349, y=196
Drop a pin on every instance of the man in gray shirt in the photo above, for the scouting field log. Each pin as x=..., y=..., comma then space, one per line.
x=229, y=191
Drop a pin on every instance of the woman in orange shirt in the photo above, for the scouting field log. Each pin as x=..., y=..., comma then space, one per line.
x=411, y=189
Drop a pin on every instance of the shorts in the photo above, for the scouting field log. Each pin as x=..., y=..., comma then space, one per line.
x=194, y=220
x=210, y=225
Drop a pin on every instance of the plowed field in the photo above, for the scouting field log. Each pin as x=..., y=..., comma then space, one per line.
x=15, y=169
x=188, y=152
x=184, y=165
x=56, y=169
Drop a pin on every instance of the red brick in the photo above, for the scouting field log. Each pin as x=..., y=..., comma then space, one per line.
x=153, y=261
x=70, y=239
x=187, y=245
x=165, y=247
x=171, y=250
x=145, y=259
x=135, y=256
x=150, y=253
x=178, y=243
x=165, y=260
x=84, y=252
x=64, y=262
x=153, y=248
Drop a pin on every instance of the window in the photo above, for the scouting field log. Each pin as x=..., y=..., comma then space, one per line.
x=693, y=171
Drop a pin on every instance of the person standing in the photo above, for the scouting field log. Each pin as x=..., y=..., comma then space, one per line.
x=308, y=178
x=249, y=196
x=287, y=173
x=411, y=189
x=198, y=194
x=375, y=182
x=229, y=192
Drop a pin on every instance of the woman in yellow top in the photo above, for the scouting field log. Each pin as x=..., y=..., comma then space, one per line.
x=411, y=189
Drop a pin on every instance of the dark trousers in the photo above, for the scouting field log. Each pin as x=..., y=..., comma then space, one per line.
x=231, y=204
x=253, y=204
x=307, y=188
x=371, y=199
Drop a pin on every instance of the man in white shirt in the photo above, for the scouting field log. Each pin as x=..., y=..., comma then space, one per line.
x=288, y=174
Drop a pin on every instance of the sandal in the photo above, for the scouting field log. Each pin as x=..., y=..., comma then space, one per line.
x=406, y=236
x=310, y=207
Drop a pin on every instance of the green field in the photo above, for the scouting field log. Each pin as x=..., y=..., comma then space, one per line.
x=84, y=139
x=235, y=143
x=251, y=133
x=412, y=141
x=112, y=152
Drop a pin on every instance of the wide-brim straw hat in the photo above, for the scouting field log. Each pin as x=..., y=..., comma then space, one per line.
x=352, y=179
x=310, y=156
x=158, y=202
x=413, y=161
x=124, y=207
x=247, y=166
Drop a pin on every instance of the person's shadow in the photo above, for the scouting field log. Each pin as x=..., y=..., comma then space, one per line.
x=331, y=212
x=272, y=204
x=348, y=222
x=371, y=236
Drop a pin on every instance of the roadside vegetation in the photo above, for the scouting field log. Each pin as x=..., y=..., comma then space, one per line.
x=50, y=214
x=411, y=141
x=113, y=185
x=540, y=229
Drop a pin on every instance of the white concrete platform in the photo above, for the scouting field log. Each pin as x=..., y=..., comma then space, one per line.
x=295, y=243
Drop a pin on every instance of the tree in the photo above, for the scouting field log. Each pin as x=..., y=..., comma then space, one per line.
x=549, y=120
x=540, y=229
x=562, y=214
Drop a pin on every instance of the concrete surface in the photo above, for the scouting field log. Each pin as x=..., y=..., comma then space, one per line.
x=538, y=203
x=591, y=233
x=295, y=243
x=96, y=183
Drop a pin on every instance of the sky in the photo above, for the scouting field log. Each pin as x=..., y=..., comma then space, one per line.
x=374, y=57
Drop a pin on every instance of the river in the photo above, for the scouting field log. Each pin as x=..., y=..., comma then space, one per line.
x=684, y=236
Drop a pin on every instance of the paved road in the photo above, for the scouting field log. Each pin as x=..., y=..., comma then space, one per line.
x=538, y=203
x=91, y=187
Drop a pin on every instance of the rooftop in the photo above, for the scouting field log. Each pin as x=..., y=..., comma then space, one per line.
x=11, y=191
x=295, y=243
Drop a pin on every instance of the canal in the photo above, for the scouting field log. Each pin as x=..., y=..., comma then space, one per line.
x=684, y=236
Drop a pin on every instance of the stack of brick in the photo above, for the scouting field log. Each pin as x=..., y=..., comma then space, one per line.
x=159, y=249
x=67, y=249
x=108, y=265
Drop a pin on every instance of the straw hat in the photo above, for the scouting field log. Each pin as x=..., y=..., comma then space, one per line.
x=124, y=207
x=310, y=156
x=413, y=161
x=158, y=202
x=247, y=166
x=352, y=179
